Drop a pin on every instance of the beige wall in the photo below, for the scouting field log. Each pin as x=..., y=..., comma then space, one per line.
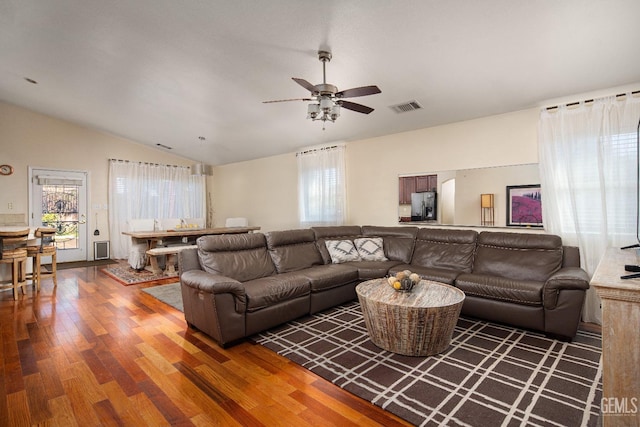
x=31, y=139
x=265, y=190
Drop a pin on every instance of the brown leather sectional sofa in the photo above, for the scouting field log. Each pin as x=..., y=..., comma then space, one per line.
x=234, y=286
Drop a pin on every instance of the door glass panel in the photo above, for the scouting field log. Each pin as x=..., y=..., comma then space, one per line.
x=59, y=200
x=60, y=211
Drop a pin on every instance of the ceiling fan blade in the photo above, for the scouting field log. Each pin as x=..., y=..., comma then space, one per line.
x=305, y=84
x=287, y=100
x=355, y=107
x=358, y=91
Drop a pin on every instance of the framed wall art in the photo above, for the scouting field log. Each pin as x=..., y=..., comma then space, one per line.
x=524, y=206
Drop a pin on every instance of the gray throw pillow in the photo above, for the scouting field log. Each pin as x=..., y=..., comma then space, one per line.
x=370, y=248
x=342, y=251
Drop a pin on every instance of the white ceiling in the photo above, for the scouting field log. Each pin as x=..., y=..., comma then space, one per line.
x=167, y=72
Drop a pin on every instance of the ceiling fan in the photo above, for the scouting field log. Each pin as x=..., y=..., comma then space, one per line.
x=325, y=98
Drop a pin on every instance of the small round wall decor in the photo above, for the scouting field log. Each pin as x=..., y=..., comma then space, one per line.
x=6, y=169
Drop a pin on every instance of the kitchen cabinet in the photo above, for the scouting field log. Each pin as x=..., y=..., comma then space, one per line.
x=407, y=186
x=416, y=184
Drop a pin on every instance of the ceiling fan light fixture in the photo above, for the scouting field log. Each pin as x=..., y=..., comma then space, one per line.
x=326, y=104
x=335, y=112
x=312, y=111
x=326, y=99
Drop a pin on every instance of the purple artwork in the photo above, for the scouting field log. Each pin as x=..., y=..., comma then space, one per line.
x=524, y=206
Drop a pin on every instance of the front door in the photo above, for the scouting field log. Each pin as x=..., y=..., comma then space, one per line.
x=59, y=200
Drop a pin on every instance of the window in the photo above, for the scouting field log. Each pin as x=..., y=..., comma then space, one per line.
x=588, y=172
x=150, y=191
x=321, y=186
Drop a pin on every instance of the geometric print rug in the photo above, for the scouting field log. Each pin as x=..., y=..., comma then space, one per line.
x=491, y=375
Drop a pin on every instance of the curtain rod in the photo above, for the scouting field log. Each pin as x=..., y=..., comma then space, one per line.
x=313, y=150
x=147, y=163
x=589, y=100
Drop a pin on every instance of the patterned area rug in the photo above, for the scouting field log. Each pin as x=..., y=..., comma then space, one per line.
x=124, y=274
x=491, y=375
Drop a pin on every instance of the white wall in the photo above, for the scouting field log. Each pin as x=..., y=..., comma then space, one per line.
x=265, y=190
x=31, y=139
x=470, y=183
x=374, y=164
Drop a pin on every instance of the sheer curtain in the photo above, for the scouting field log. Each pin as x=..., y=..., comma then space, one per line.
x=321, y=186
x=145, y=190
x=588, y=165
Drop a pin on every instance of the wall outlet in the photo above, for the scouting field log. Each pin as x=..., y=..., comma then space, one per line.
x=10, y=205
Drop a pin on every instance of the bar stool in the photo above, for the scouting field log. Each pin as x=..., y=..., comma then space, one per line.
x=13, y=251
x=46, y=248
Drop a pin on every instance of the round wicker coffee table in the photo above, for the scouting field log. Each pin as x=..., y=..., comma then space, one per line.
x=416, y=323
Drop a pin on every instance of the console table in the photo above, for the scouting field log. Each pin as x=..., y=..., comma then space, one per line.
x=153, y=238
x=620, y=338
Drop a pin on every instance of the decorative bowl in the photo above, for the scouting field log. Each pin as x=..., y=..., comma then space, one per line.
x=403, y=281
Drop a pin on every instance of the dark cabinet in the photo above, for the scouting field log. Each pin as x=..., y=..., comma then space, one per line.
x=407, y=186
x=426, y=183
x=416, y=184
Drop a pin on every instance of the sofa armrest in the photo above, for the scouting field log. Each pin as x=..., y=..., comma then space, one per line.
x=567, y=278
x=216, y=284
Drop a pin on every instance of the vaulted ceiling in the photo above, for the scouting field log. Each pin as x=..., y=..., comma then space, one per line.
x=173, y=72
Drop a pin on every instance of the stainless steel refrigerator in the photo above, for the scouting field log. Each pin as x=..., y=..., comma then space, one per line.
x=424, y=206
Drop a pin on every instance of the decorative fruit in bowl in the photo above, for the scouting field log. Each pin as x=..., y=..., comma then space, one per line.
x=403, y=281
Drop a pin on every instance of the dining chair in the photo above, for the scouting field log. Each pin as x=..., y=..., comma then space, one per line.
x=45, y=248
x=13, y=251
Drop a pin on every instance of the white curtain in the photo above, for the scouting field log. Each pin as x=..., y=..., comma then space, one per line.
x=588, y=168
x=150, y=191
x=321, y=186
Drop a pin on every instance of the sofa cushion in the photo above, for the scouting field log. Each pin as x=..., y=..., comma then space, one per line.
x=342, y=251
x=442, y=275
x=373, y=269
x=518, y=256
x=242, y=257
x=398, y=241
x=323, y=277
x=293, y=250
x=268, y=291
x=341, y=232
x=526, y=292
x=370, y=248
x=445, y=249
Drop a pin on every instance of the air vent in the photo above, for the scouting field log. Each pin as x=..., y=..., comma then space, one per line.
x=406, y=107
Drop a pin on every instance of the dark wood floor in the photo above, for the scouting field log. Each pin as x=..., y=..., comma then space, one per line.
x=93, y=352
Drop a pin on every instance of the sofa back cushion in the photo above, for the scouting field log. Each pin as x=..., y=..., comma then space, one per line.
x=398, y=241
x=339, y=232
x=293, y=250
x=242, y=257
x=517, y=255
x=443, y=248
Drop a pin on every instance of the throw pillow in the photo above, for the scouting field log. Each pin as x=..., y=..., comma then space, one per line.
x=342, y=251
x=370, y=248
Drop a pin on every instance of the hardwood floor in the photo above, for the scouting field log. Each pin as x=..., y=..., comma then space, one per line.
x=92, y=352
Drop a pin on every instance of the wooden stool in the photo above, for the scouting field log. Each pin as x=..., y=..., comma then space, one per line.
x=46, y=248
x=13, y=250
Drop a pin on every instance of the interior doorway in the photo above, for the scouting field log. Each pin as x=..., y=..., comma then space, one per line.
x=59, y=199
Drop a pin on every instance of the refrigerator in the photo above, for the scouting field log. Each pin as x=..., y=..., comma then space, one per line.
x=424, y=206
